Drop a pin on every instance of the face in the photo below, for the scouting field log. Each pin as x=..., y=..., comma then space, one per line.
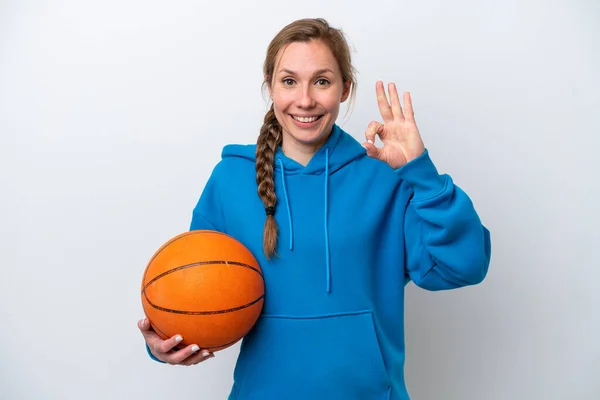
x=307, y=90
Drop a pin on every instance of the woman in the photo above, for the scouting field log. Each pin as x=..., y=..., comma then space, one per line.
x=338, y=228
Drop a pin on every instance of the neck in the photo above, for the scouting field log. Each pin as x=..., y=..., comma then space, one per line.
x=301, y=152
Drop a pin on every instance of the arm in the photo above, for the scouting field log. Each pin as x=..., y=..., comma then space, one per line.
x=446, y=245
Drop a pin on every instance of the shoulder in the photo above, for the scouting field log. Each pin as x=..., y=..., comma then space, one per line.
x=234, y=149
x=235, y=153
x=237, y=160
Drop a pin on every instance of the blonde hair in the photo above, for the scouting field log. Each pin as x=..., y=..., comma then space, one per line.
x=303, y=30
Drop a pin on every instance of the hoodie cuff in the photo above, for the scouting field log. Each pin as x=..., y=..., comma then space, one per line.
x=423, y=177
x=152, y=355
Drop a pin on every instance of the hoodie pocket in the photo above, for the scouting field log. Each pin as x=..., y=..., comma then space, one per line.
x=323, y=357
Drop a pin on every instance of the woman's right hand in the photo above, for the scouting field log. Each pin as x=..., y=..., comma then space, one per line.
x=165, y=350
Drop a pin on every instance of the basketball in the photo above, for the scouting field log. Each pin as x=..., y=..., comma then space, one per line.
x=205, y=286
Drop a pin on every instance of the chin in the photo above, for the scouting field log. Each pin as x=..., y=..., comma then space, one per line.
x=312, y=134
x=310, y=139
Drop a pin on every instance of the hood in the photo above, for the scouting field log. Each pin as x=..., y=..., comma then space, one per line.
x=339, y=150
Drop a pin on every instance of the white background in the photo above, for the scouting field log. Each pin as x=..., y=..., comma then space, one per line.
x=113, y=113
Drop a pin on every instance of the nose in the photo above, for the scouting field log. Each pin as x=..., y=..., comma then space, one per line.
x=305, y=98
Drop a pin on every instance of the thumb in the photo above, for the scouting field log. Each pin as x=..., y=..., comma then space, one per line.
x=372, y=150
x=144, y=326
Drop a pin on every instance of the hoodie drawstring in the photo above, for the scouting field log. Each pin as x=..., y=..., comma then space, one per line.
x=287, y=202
x=327, y=260
x=326, y=215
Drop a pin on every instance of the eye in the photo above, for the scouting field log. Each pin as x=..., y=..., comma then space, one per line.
x=288, y=81
x=322, y=82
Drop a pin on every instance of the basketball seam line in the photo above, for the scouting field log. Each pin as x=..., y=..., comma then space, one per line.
x=200, y=263
x=203, y=312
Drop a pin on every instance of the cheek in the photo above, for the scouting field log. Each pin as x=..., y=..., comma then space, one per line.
x=332, y=105
x=331, y=101
x=281, y=102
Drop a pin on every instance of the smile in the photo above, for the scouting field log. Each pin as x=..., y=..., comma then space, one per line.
x=306, y=119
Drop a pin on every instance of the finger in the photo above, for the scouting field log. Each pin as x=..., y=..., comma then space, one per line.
x=372, y=150
x=167, y=345
x=382, y=101
x=395, y=100
x=374, y=129
x=410, y=114
x=179, y=356
x=143, y=324
x=198, y=358
x=146, y=329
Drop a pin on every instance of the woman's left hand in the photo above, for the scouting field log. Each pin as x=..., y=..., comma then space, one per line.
x=402, y=142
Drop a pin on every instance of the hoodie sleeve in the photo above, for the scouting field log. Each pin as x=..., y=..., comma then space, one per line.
x=446, y=244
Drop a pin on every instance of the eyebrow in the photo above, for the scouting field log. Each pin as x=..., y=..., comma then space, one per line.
x=319, y=72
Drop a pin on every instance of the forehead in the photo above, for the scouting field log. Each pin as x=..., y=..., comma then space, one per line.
x=306, y=57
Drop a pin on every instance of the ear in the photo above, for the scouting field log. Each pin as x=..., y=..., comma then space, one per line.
x=346, y=91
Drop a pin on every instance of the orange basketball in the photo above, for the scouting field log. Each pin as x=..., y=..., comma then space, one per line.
x=205, y=286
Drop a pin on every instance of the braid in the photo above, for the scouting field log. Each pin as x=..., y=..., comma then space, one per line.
x=266, y=146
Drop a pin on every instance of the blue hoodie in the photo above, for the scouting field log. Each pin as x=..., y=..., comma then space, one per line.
x=352, y=233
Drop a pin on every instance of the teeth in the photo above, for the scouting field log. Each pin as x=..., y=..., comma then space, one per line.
x=305, y=119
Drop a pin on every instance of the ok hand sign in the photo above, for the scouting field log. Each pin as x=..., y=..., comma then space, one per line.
x=399, y=134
